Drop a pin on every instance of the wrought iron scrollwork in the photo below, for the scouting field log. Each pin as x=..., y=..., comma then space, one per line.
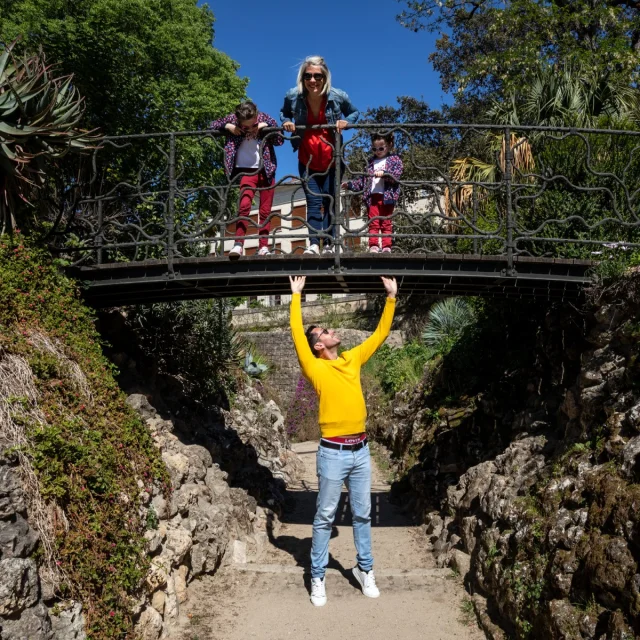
x=466, y=189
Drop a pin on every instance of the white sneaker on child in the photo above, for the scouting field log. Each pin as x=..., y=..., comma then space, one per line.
x=386, y=249
x=313, y=249
x=236, y=251
x=318, y=593
x=328, y=250
x=264, y=251
x=367, y=581
x=374, y=249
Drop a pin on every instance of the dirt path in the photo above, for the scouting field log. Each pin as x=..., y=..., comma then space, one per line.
x=270, y=601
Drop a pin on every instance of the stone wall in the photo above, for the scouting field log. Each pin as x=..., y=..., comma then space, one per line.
x=278, y=316
x=277, y=348
x=207, y=521
x=227, y=492
x=530, y=487
x=24, y=613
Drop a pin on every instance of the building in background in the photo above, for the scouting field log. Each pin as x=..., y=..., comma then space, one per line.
x=289, y=233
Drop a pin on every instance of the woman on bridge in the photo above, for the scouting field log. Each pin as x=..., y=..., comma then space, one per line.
x=313, y=101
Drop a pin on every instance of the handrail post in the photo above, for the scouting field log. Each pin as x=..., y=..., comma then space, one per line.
x=508, y=156
x=171, y=205
x=99, y=237
x=474, y=220
x=337, y=204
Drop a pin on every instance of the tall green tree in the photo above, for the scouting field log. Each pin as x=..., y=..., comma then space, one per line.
x=142, y=65
x=491, y=47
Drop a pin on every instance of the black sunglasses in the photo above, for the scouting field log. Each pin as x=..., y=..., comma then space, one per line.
x=316, y=336
x=378, y=148
x=315, y=76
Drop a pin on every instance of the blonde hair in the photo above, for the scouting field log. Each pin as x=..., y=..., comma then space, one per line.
x=314, y=61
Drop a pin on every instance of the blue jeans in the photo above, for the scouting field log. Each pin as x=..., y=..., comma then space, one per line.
x=319, y=189
x=354, y=469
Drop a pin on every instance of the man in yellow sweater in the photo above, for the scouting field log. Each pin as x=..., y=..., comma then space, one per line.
x=343, y=454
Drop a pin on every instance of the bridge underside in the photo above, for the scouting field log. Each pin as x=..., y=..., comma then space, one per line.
x=432, y=274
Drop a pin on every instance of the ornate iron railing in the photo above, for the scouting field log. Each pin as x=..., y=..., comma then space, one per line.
x=466, y=189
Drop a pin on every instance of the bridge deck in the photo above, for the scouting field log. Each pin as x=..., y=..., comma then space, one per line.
x=433, y=274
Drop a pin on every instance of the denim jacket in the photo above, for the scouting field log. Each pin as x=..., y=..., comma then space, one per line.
x=338, y=107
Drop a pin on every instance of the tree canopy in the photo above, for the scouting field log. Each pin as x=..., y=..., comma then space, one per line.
x=142, y=65
x=491, y=47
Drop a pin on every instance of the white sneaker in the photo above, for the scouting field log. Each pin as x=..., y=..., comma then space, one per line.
x=236, y=251
x=312, y=249
x=374, y=249
x=367, y=582
x=318, y=594
x=328, y=250
x=264, y=251
x=386, y=250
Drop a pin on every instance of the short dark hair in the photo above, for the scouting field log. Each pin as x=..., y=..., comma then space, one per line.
x=312, y=338
x=246, y=111
x=387, y=137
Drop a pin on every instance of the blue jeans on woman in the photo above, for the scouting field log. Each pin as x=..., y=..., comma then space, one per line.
x=319, y=190
x=354, y=469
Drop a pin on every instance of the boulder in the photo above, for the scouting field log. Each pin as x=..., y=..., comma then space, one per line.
x=32, y=624
x=19, y=585
x=68, y=624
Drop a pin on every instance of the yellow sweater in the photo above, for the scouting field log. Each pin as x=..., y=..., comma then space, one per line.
x=342, y=409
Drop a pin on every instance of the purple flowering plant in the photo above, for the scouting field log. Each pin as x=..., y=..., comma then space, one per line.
x=302, y=413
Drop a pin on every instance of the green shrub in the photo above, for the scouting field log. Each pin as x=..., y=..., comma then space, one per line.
x=89, y=449
x=192, y=339
x=448, y=320
x=401, y=368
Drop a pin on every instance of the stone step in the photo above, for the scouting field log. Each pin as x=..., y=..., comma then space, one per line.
x=251, y=567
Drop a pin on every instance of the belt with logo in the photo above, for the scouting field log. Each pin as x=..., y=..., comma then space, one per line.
x=344, y=447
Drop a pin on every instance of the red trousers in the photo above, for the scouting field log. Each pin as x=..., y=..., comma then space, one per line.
x=248, y=186
x=380, y=220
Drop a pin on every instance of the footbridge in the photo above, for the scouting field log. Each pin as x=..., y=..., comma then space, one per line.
x=485, y=210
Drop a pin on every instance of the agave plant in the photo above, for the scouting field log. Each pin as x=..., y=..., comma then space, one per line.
x=447, y=321
x=40, y=114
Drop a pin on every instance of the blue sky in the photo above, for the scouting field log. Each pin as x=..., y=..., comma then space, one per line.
x=370, y=55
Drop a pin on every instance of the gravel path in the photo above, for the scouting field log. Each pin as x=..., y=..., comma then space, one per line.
x=270, y=601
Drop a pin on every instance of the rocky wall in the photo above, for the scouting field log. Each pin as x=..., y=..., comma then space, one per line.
x=210, y=520
x=227, y=492
x=529, y=487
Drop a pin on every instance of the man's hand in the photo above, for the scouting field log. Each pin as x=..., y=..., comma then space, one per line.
x=297, y=283
x=289, y=126
x=341, y=125
x=390, y=286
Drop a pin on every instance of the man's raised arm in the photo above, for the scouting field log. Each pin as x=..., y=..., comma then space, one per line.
x=305, y=356
x=373, y=342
